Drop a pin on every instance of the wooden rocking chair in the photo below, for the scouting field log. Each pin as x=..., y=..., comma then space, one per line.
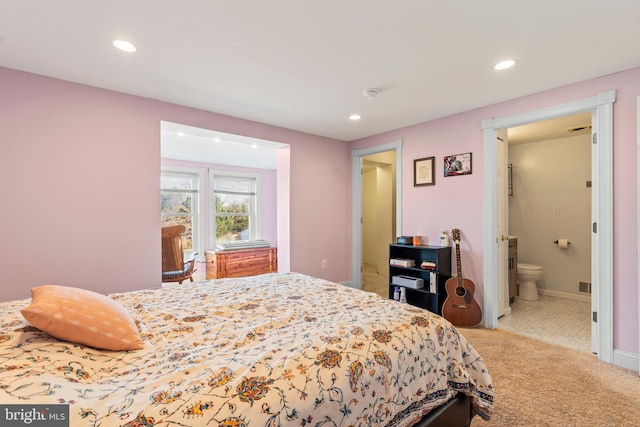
x=174, y=267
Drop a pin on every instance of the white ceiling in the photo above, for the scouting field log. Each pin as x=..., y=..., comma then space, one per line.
x=562, y=127
x=181, y=142
x=303, y=65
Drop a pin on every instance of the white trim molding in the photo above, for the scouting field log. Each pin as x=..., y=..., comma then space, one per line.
x=638, y=213
x=565, y=295
x=626, y=360
x=356, y=200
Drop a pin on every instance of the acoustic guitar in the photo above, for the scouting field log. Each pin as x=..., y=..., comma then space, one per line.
x=460, y=308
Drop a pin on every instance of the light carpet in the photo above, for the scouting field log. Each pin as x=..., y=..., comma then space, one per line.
x=542, y=384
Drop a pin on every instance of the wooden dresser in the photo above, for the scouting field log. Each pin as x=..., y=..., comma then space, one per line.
x=241, y=262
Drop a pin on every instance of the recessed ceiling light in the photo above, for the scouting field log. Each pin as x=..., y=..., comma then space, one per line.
x=216, y=139
x=124, y=45
x=355, y=117
x=503, y=65
x=180, y=133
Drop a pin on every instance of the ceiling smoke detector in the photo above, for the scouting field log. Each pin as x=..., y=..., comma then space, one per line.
x=370, y=93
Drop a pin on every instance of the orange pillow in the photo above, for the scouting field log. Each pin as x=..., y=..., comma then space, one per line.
x=83, y=317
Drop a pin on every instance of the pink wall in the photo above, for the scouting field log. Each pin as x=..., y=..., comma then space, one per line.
x=457, y=202
x=80, y=170
x=268, y=191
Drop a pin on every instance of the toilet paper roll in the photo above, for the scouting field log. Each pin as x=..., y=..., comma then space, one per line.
x=563, y=243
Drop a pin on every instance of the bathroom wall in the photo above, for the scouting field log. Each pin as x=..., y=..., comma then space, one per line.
x=551, y=200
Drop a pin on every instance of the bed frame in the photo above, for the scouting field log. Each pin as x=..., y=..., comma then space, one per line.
x=457, y=412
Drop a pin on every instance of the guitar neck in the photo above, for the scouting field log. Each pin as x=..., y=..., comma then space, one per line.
x=458, y=262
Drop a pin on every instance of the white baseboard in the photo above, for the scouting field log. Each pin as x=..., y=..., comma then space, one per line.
x=565, y=295
x=348, y=284
x=626, y=360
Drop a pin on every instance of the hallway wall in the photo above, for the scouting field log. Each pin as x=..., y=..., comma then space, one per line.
x=378, y=209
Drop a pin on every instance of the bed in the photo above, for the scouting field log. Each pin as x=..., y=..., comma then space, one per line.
x=270, y=350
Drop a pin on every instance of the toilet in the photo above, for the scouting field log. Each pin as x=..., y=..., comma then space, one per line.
x=528, y=275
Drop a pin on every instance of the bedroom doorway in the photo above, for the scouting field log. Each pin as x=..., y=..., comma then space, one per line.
x=358, y=162
x=601, y=109
x=378, y=220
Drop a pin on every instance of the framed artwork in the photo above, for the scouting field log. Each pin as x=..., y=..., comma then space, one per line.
x=424, y=171
x=458, y=164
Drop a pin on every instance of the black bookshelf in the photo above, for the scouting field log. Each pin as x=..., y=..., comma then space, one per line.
x=440, y=256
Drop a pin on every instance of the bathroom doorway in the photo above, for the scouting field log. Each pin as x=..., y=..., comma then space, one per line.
x=549, y=200
x=495, y=244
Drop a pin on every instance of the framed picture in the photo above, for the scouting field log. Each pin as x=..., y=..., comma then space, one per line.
x=424, y=171
x=458, y=164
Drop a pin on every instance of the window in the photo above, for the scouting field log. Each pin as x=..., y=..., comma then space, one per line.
x=234, y=206
x=180, y=203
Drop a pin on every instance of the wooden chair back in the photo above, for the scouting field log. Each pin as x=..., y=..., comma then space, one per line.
x=172, y=252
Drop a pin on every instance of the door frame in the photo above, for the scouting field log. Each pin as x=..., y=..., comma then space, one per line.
x=502, y=150
x=638, y=212
x=601, y=107
x=356, y=201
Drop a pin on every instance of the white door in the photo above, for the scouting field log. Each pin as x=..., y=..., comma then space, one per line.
x=595, y=296
x=503, y=222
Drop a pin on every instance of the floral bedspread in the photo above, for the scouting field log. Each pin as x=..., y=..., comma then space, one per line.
x=271, y=350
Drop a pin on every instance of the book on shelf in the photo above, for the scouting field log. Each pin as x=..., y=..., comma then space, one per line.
x=433, y=282
x=428, y=265
x=399, y=262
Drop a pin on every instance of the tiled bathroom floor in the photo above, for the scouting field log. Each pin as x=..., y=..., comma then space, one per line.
x=556, y=320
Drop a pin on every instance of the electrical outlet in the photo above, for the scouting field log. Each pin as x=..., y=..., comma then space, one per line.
x=555, y=210
x=324, y=263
